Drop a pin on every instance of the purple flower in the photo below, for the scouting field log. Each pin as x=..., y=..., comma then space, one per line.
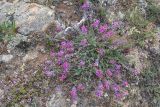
x=118, y=95
x=63, y=76
x=80, y=87
x=63, y=44
x=52, y=53
x=69, y=44
x=101, y=51
x=49, y=73
x=58, y=29
x=99, y=73
x=96, y=23
x=48, y=62
x=66, y=66
x=59, y=61
x=106, y=84
x=73, y=94
x=60, y=53
x=85, y=6
x=84, y=42
x=99, y=90
x=82, y=63
x=116, y=88
x=125, y=84
x=84, y=29
x=109, y=73
x=125, y=93
x=117, y=66
x=136, y=72
x=116, y=24
x=108, y=34
x=99, y=93
x=103, y=28
x=58, y=88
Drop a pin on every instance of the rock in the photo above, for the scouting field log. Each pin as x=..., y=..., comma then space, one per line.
x=1, y=96
x=6, y=58
x=56, y=101
x=134, y=59
x=30, y=56
x=29, y=17
x=15, y=41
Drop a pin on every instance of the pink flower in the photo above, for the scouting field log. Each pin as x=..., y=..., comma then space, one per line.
x=59, y=61
x=80, y=87
x=66, y=66
x=99, y=73
x=117, y=66
x=69, y=44
x=96, y=23
x=109, y=73
x=116, y=88
x=73, y=94
x=60, y=53
x=49, y=73
x=118, y=95
x=136, y=72
x=82, y=63
x=99, y=90
x=58, y=29
x=84, y=29
x=103, y=28
x=106, y=84
x=99, y=93
x=85, y=6
x=63, y=44
x=52, y=53
x=84, y=42
x=125, y=93
x=108, y=34
x=116, y=24
x=125, y=84
x=63, y=76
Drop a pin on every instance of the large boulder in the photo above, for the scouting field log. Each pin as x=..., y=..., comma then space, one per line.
x=29, y=17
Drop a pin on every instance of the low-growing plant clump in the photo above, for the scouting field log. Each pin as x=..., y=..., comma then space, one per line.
x=91, y=61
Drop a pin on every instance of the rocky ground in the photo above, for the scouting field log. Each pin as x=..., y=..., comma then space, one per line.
x=22, y=84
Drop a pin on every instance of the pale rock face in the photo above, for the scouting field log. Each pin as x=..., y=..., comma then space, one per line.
x=56, y=101
x=29, y=17
x=6, y=58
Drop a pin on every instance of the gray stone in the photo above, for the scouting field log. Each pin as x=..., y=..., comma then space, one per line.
x=56, y=101
x=15, y=41
x=30, y=56
x=6, y=58
x=29, y=17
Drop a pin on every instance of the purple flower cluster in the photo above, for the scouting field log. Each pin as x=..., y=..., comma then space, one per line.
x=73, y=94
x=85, y=6
x=99, y=73
x=80, y=87
x=84, y=42
x=96, y=23
x=103, y=28
x=84, y=29
x=99, y=90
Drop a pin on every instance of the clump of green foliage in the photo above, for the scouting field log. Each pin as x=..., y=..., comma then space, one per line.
x=7, y=30
x=140, y=30
x=153, y=12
